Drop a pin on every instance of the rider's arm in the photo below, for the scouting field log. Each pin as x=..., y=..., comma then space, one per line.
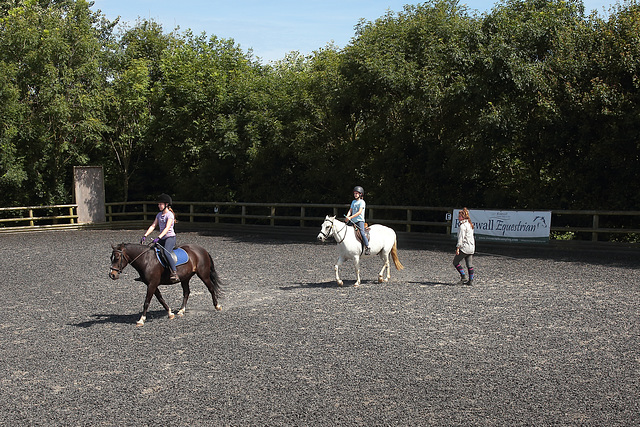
x=151, y=227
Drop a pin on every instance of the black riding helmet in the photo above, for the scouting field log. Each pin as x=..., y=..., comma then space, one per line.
x=359, y=189
x=165, y=198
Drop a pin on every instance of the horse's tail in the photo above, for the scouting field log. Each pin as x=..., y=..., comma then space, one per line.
x=394, y=256
x=215, y=279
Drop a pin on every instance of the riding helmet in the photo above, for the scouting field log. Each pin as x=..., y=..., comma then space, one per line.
x=359, y=190
x=165, y=198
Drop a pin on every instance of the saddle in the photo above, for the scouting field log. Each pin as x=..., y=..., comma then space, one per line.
x=180, y=256
x=358, y=235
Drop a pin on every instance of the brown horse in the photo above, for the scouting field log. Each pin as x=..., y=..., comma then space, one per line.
x=153, y=273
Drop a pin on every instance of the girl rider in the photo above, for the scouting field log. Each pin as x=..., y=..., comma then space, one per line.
x=356, y=213
x=165, y=219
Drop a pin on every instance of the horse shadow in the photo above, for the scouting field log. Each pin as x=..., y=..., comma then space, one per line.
x=434, y=284
x=101, y=319
x=351, y=283
x=311, y=285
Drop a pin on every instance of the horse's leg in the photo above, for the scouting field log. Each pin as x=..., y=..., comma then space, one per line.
x=151, y=290
x=164, y=303
x=384, y=256
x=356, y=261
x=337, y=267
x=185, y=297
x=207, y=273
x=212, y=290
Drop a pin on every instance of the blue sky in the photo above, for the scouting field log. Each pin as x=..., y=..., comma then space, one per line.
x=272, y=28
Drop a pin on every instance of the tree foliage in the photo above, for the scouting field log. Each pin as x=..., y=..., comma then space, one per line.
x=52, y=53
x=534, y=104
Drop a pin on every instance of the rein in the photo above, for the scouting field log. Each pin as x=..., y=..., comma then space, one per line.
x=335, y=231
x=124, y=255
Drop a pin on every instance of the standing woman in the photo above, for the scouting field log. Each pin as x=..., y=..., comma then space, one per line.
x=165, y=219
x=466, y=247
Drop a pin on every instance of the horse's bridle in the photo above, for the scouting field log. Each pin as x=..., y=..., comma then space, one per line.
x=337, y=235
x=123, y=255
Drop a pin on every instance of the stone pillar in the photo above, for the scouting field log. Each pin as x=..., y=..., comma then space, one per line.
x=89, y=192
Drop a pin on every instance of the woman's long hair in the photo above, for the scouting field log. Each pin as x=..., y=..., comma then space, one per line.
x=464, y=213
x=175, y=217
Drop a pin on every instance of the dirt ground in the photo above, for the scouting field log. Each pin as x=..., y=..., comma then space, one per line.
x=545, y=337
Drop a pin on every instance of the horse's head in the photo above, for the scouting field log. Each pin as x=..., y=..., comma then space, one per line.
x=327, y=228
x=119, y=261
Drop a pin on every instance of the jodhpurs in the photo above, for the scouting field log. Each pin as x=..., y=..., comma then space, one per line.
x=168, y=243
x=360, y=225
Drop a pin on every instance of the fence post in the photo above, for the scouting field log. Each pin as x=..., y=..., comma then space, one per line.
x=409, y=216
x=144, y=211
x=273, y=216
x=244, y=212
x=71, y=215
x=31, y=223
x=191, y=212
x=302, y=214
x=596, y=223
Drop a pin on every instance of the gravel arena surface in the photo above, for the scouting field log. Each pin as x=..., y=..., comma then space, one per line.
x=545, y=337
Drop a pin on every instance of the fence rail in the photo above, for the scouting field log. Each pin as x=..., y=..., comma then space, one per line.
x=565, y=224
x=42, y=216
x=291, y=214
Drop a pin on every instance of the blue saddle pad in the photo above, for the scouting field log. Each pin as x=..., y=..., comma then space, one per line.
x=181, y=254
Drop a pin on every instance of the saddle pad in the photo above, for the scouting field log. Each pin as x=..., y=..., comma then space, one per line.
x=181, y=254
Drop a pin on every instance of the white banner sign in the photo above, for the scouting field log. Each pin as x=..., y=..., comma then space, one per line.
x=515, y=226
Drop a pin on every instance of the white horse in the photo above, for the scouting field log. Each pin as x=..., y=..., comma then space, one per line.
x=382, y=241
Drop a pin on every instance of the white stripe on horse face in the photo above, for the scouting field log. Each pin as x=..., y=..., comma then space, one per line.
x=326, y=229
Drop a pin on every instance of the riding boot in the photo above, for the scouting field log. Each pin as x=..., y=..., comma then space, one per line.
x=174, y=277
x=367, y=251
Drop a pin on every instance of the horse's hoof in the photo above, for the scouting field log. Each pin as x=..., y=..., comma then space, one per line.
x=340, y=283
x=139, y=323
x=181, y=313
x=218, y=307
x=172, y=316
x=380, y=279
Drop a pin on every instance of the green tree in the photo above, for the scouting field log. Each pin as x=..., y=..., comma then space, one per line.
x=134, y=70
x=130, y=117
x=12, y=112
x=408, y=85
x=56, y=51
x=203, y=146
x=520, y=117
x=609, y=147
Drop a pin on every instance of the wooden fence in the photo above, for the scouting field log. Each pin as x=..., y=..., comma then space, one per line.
x=565, y=224
x=38, y=217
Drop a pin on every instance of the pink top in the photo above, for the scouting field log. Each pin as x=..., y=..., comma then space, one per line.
x=162, y=222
